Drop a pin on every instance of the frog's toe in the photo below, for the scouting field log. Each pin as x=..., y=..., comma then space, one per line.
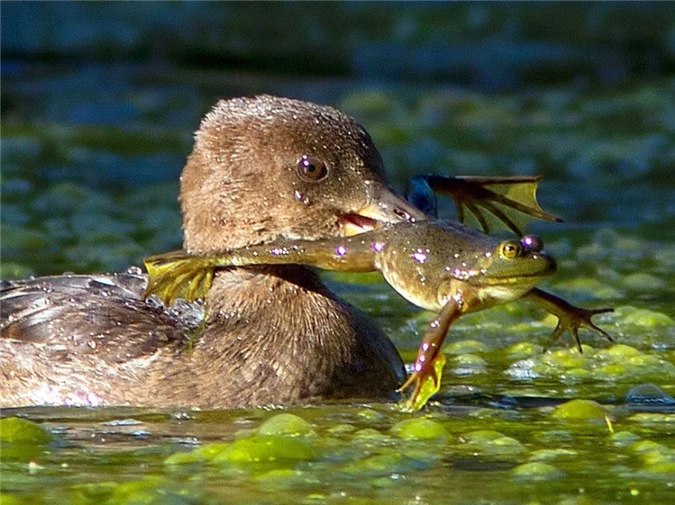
x=427, y=382
x=554, y=336
x=412, y=378
x=591, y=326
x=574, y=320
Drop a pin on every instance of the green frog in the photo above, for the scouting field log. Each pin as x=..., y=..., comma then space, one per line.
x=442, y=266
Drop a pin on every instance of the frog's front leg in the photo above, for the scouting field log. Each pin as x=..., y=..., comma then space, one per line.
x=499, y=196
x=570, y=318
x=425, y=378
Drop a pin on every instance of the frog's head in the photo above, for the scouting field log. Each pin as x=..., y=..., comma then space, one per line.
x=511, y=269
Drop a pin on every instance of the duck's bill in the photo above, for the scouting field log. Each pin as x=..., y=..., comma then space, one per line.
x=383, y=207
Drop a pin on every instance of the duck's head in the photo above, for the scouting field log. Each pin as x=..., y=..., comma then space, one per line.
x=266, y=167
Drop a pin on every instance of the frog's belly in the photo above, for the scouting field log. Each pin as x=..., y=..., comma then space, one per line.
x=502, y=293
x=419, y=291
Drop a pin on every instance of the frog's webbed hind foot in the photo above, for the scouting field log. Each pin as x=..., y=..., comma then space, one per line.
x=178, y=275
x=425, y=383
x=570, y=318
x=486, y=198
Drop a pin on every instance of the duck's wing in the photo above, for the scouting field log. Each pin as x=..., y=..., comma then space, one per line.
x=102, y=315
x=511, y=201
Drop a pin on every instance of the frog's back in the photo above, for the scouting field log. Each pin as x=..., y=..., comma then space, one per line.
x=437, y=244
x=419, y=257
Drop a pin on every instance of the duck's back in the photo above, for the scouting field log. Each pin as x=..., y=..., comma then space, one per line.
x=83, y=339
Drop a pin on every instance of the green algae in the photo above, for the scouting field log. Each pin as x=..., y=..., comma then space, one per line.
x=537, y=471
x=371, y=437
x=266, y=449
x=469, y=364
x=617, y=362
x=420, y=429
x=588, y=286
x=565, y=359
x=581, y=410
x=8, y=499
x=202, y=454
x=644, y=317
x=489, y=443
x=552, y=454
x=368, y=458
x=641, y=281
x=624, y=438
x=288, y=425
x=523, y=350
x=384, y=464
x=16, y=430
x=465, y=347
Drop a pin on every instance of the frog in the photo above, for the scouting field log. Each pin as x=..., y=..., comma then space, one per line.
x=439, y=265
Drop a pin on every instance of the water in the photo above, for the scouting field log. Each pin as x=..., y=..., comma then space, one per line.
x=91, y=154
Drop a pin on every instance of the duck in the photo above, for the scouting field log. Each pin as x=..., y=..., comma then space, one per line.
x=262, y=168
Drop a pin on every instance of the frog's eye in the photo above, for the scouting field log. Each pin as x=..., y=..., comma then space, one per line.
x=312, y=169
x=510, y=249
x=532, y=243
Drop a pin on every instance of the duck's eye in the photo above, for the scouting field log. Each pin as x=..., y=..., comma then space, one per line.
x=510, y=249
x=312, y=169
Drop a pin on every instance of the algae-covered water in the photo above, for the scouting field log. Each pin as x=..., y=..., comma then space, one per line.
x=91, y=155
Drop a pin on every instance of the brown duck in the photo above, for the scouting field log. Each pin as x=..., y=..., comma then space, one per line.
x=261, y=169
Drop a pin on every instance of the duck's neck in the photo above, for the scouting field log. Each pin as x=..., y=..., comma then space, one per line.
x=278, y=335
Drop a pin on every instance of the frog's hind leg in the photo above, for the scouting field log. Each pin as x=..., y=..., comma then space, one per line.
x=426, y=376
x=511, y=200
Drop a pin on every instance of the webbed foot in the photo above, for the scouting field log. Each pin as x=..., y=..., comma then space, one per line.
x=425, y=383
x=482, y=197
x=570, y=318
x=178, y=275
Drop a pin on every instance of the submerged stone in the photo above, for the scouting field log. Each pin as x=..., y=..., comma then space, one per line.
x=649, y=395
